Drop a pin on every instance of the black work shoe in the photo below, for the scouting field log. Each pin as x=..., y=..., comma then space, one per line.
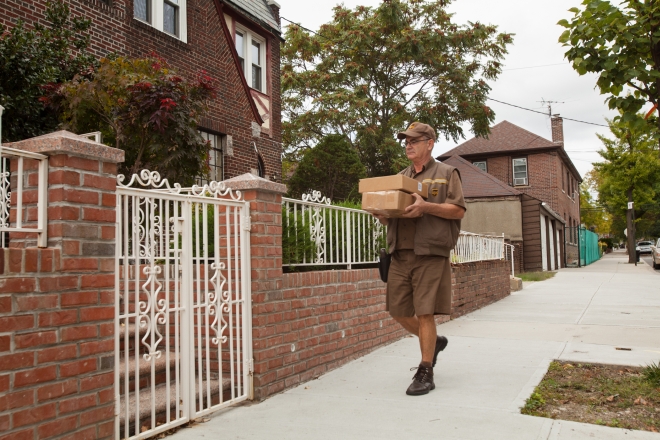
x=422, y=382
x=440, y=345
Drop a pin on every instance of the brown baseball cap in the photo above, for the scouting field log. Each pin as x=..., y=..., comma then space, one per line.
x=417, y=129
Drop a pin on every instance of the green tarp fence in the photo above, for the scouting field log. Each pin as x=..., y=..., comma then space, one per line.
x=589, y=249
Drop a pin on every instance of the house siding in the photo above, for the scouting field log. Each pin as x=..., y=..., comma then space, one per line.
x=115, y=30
x=532, y=253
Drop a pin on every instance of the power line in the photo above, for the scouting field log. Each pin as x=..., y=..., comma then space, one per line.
x=545, y=114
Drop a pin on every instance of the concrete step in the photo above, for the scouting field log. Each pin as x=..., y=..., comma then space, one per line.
x=144, y=373
x=161, y=402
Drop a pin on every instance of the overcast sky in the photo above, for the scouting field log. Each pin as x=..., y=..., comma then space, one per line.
x=525, y=84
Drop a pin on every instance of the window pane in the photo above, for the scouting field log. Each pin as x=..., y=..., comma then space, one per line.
x=480, y=165
x=256, y=53
x=239, y=45
x=170, y=13
x=256, y=77
x=141, y=9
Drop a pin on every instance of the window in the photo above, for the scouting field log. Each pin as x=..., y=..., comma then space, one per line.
x=481, y=165
x=251, y=50
x=520, y=171
x=215, y=159
x=168, y=16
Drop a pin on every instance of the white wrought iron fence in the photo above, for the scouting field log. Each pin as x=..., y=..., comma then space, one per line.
x=475, y=247
x=316, y=233
x=509, y=251
x=8, y=201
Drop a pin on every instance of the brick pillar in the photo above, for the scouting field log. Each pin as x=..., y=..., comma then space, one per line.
x=265, y=199
x=57, y=303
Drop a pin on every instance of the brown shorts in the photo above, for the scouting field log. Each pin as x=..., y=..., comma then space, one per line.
x=418, y=285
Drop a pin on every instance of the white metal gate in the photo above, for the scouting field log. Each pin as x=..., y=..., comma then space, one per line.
x=183, y=338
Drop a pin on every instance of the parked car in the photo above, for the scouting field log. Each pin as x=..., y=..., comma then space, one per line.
x=644, y=247
x=655, y=254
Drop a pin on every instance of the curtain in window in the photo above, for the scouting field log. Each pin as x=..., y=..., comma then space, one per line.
x=170, y=19
x=141, y=9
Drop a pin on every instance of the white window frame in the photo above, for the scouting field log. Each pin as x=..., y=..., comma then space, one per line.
x=520, y=181
x=480, y=162
x=156, y=17
x=248, y=37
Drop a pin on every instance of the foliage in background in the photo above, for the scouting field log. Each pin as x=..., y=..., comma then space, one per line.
x=631, y=164
x=621, y=43
x=370, y=72
x=33, y=62
x=593, y=216
x=144, y=108
x=332, y=167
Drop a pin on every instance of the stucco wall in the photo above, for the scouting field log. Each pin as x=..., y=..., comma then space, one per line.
x=494, y=217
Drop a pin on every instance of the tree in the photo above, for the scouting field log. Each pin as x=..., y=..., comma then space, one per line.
x=630, y=172
x=332, y=167
x=592, y=215
x=33, y=61
x=372, y=71
x=144, y=108
x=622, y=44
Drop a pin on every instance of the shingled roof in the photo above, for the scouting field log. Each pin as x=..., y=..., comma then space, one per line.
x=503, y=137
x=259, y=10
x=477, y=183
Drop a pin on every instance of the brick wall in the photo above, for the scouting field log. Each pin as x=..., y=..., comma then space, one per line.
x=475, y=285
x=115, y=30
x=57, y=303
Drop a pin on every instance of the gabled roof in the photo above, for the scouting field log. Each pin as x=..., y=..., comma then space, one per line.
x=504, y=136
x=257, y=10
x=477, y=183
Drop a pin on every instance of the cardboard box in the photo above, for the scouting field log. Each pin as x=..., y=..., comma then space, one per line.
x=396, y=182
x=387, y=203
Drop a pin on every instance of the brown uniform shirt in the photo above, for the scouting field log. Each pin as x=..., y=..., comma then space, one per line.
x=444, y=187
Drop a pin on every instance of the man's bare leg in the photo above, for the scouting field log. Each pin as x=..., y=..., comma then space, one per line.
x=424, y=328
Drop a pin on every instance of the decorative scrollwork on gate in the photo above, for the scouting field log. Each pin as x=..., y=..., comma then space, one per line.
x=5, y=195
x=218, y=303
x=317, y=223
x=152, y=303
x=216, y=189
x=148, y=179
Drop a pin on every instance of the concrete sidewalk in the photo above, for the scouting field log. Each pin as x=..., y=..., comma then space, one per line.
x=495, y=358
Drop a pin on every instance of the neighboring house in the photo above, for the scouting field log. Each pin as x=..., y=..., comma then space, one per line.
x=495, y=208
x=237, y=42
x=539, y=169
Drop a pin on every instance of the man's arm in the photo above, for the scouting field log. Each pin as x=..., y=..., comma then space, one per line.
x=442, y=210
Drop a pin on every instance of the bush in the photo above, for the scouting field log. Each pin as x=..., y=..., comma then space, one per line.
x=144, y=108
x=33, y=62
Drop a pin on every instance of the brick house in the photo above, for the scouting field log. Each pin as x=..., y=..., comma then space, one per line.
x=237, y=42
x=540, y=170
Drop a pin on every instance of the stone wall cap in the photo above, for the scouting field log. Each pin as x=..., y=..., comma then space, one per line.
x=249, y=181
x=65, y=142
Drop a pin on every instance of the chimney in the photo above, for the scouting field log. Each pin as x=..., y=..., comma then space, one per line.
x=557, y=124
x=275, y=7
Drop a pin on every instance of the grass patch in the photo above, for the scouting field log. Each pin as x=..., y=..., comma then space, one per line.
x=608, y=395
x=536, y=276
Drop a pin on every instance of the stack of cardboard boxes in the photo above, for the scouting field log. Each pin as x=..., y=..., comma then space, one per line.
x=390, y=195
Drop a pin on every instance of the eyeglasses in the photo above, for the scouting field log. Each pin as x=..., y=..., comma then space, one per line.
x=415, y=141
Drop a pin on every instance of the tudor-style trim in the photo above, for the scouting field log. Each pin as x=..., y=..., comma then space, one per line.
x=254, y=25
x=237, y=63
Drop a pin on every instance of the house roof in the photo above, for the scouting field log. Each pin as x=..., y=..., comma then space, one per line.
x=259, y=11
x=506, y=137
x=477, y=183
